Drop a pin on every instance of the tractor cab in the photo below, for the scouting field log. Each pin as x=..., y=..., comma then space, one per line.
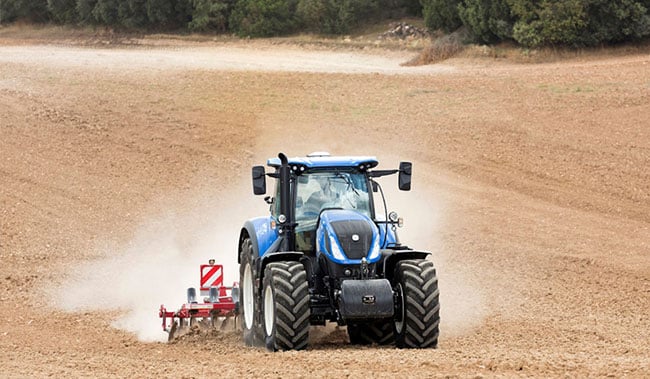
x=319, y=182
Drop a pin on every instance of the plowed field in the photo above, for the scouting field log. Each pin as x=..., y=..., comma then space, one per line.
x=124, y=168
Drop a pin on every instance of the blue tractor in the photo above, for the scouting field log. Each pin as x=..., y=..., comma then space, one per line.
x=323, y=255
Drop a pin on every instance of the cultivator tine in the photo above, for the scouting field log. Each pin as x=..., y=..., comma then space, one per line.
x=172, y=331
x=225, y=323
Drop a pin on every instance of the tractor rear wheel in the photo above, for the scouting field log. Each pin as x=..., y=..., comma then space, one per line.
x=285, y=306
x=418, y=313
x=378, y=332
x=248, y=302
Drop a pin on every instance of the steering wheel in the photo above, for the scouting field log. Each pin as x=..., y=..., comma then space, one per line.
x=310, y=210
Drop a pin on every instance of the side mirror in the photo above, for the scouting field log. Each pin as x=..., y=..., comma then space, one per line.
x=405, y=176
x=259, y=180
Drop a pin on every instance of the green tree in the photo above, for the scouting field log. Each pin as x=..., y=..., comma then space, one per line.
x=316, y=15
x=85, y=10
x=63, y=11
x=616, y=21
x=441, y=14
x=334, y=16
x=132, y=13
x=159, y=12
x=210, y=15
x=264, y=18
x=413, y=7
x=105, y=12
x=7, y=12
x=168, y=14
x=551, y=22
x=488, y=21
x=183, y=13
x=29, y=10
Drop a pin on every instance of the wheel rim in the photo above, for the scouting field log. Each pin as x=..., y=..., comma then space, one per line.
x=399, y=319
x=248, y=296
x=269, y=310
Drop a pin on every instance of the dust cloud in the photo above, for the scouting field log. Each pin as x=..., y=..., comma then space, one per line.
x=162, y=259
x=160, y=262
x=462, y=298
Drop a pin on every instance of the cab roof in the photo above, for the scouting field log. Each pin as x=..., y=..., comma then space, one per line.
x=324, y=160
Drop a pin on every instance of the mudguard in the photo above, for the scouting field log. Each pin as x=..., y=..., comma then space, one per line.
x=262, y=235
x=391, y=257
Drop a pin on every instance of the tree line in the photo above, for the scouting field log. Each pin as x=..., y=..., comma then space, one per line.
x=249, y=18
x=530, y=23
x=534, y=23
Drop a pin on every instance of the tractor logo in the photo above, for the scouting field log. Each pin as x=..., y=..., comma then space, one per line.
x=368, y=299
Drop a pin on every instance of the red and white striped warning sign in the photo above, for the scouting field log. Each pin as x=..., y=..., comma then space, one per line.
x=211, y=276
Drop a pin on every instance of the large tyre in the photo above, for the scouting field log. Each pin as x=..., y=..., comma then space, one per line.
x=285, y=306
x=417, y=317
x=248, y=300
x=378, y=332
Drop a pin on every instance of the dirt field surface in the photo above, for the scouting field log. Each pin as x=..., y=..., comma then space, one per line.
x=123, y=168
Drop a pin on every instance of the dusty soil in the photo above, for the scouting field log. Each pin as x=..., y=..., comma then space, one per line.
x=123, y=168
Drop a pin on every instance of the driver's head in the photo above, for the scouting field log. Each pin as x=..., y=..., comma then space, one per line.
x=323, y=181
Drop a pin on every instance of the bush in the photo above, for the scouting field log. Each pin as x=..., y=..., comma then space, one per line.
x=616, y=21
x=441, y=14
x=7, y=12
x=413, y=7
x=210, y=15
x=132, y=13
x=263, y=18
x=317, y=15
x=63, y=11
x=105, y=12
x=85, y=10
x=159, y=12
x=553, y=22
x=579, y=22
x=440, y=49
x=487, y=21
x=334, y=16
x=29, y=10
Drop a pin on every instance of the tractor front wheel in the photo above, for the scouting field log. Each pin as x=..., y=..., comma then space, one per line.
x=418, y=312
x=285, y=306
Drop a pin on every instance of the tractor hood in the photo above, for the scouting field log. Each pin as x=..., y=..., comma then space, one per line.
x=346, y=236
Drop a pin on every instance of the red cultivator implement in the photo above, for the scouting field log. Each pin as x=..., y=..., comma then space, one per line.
x=220, y=303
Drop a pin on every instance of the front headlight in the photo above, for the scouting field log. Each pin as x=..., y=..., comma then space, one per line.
x=336, y=249
x=374, y=251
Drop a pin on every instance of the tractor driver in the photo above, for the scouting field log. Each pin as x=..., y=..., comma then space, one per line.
x=324, y=195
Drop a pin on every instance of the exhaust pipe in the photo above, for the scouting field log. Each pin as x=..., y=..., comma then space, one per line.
x=288, y=224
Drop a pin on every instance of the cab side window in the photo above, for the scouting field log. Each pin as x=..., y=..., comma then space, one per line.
x=275, y=206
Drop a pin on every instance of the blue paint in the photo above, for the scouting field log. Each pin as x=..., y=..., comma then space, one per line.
x=335, y=253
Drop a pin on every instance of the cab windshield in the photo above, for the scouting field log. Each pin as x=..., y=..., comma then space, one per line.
x=329, y=189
